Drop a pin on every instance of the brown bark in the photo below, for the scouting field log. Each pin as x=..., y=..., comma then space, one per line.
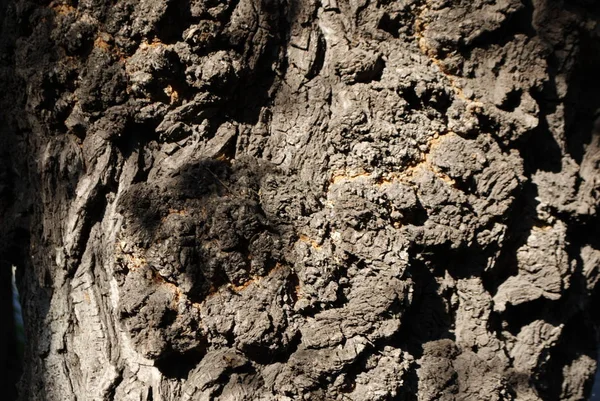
x=260, y=200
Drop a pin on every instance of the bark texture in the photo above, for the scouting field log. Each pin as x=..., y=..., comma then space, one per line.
x=302, y=200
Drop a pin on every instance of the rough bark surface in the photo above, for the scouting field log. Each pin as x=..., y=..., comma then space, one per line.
x=287, y=200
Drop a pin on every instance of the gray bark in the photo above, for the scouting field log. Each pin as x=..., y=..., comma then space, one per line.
x=336, y=200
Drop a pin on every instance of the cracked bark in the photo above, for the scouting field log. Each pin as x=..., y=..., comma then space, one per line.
x=260, y=200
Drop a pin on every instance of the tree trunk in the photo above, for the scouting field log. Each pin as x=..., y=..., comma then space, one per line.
x=298, y=200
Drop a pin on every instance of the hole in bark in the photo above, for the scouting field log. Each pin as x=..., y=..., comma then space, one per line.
x=168, y=318
x=437, y=99
x=440, y=101
x=372, y=74
x=411, y=98
x=293, y=284
x=518, y=316
x=390, y=25
x=538, y=147
x=178, y=366
x=512, y=101
x=487, y=124
x=265, y=356
x=416, y=215
x=177, y=18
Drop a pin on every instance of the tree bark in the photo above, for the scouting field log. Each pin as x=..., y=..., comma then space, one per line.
x=298, y=200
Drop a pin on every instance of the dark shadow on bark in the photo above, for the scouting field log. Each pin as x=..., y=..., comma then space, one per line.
x=522, y=218
x=14, y=240
x=582, y=102
x=428, y=317
x=265, y=356
x=9, y=359
x=177, y=19
x=538, y=148
x=516, y=23
x=210, y=210
x=578, y=338
x=255, y=90
x=18, y=224
x=178, y=366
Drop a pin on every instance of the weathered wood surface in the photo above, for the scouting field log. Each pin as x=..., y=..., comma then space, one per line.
x=298, y=200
